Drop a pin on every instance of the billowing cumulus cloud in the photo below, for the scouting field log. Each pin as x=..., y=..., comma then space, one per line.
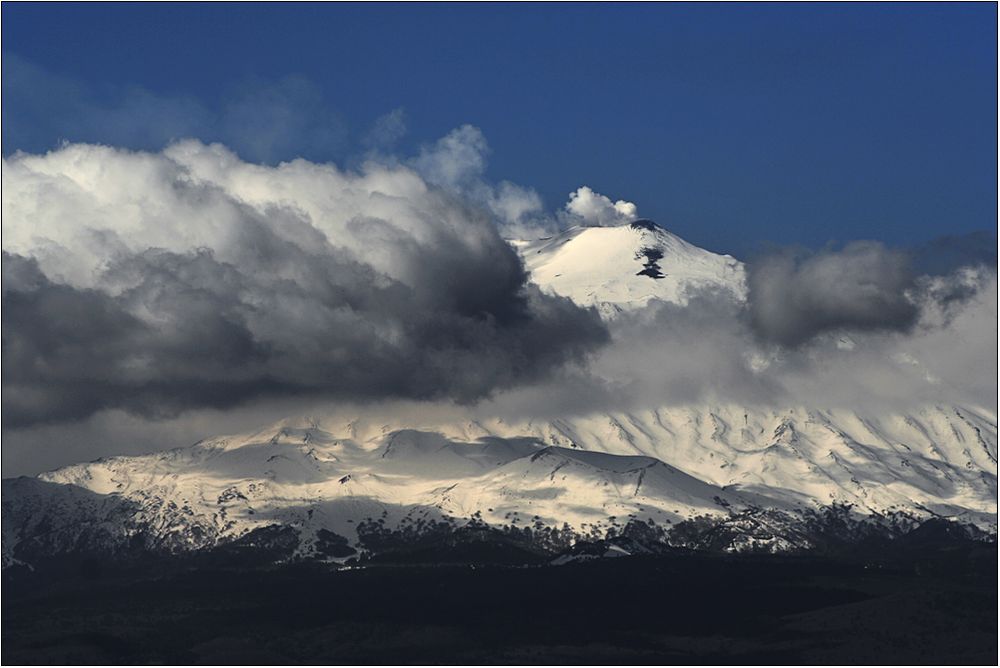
x=592, y=209
x=159, y=282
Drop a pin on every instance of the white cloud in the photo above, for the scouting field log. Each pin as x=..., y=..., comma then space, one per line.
x=592, y=209
x=456, y=161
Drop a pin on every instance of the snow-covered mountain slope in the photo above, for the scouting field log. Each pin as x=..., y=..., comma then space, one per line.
x=305, y=476
x=624, y=267
x=594, y=473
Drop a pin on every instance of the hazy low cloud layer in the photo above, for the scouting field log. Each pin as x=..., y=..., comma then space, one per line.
x=158, y=282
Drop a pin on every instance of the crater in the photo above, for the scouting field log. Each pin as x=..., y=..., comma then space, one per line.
x=644, y=224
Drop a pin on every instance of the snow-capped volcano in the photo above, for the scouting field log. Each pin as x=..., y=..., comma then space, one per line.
x=624, y=267
x=330, y=478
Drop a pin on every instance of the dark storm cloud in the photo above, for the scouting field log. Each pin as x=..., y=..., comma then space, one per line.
x=219, y=337
x=864, y=287
x=274, y=309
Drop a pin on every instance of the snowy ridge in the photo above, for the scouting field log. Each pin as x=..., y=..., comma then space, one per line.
x=591, y=473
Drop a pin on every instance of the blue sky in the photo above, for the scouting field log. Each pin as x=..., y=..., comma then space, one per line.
x=732, y=125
